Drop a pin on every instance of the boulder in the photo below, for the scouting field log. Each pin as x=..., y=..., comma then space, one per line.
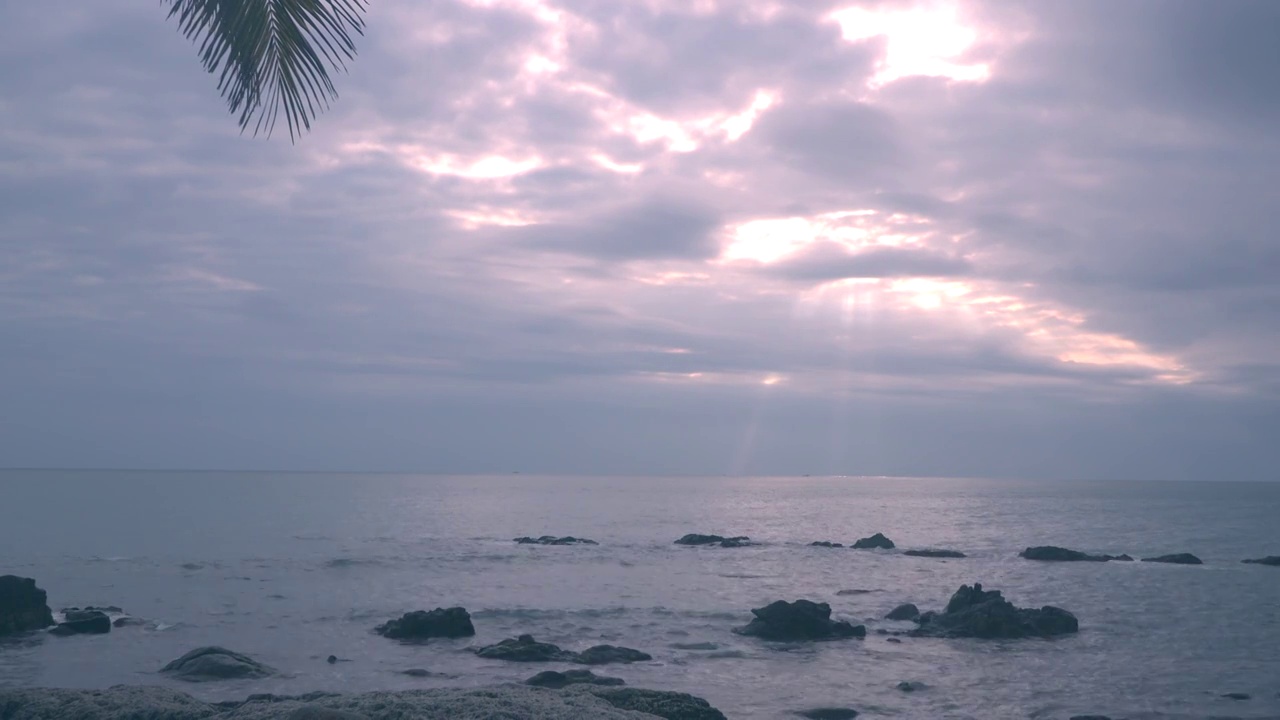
x=728, y=542
x=1273, y=560
x=453, y=622
x=1052, y=553
x=553, y=540
x=977, y=613
x=910, y=686
x=875, y=542
x=214, y=663
x=906, y=611
x=667, y=705
x=1177, y=559
x=556, y=680
x=934, y=553
x=826, y=544
x=23, y=606
x=828, y=713
x=88, y=621
x=799, y=620
x=606, y=654
x=525, y=649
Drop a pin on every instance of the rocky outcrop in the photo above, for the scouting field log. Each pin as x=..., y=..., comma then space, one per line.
x=826, y=544
x=934, y=553
x=454, y=622
x=906, y=611
x=798, y=621
x=556, y=680
x=526, y=649
x=208, y=664
x=875, y=542
x=1052, y=553
x=828, y=713
x=23, y=606
x=977, y=613
x=507, y=701
x=83, y=621
x=553, y=540
x=1177, y=559
x=716, y=540
x=1273, y=560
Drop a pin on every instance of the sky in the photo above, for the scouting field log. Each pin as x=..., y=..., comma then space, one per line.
x=953, y=238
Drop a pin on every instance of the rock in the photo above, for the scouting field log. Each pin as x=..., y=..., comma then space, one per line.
x=731, y=542
x=830, y=713
x=83, y=622
x=1178, y=559
x=332, y=659
x=1236, y=696
x=1090, y=717
x=553, y=540
x=875, y=542
x=934, y=553
x=667, y=705
x=110, y=609
x=1051, y=553
x=23, y=606
x=416, y=672
x=556, y=680
x=128, y=621
x=525, y=649
x=909, y=686
x=893, y=640
x=906, y=611
x=606, y=654
x=315, y=712
x=1273, y=560
x=799, y=620
x=454, y=622
x=854, y=592
x=826, y=544
x=975, y=613
x=215, y=663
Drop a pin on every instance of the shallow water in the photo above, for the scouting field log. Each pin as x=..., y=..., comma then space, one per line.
x=291, y=568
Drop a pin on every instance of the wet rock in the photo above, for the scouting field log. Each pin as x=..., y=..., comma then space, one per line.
x=696, y=646
x=23, y=606
x=556, y=680
x=875, y=542
x=1177, y=559
x=128, y=621
x=1052, y=553
x=799, y=620
x=906, y=611
x=215, y=663
x=830, y=713
x=553, y=540
x=316, y=712
x=607, y=654
x=332, y=659
x=1273, y=560
x=910, y=686
x=1236, y=696
x=929, y=553
x=667, y=705
x=977, y=613
x=854, y=592
x=893, y=640
x=83, y=622
x=525, y=649
x=417, y=672
x=826, y=544
x=453, y=622
x=728, y=542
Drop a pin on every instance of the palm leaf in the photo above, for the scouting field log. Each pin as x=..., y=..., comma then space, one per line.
x=273, y=57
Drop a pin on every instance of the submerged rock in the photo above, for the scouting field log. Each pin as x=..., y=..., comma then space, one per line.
x=1053, y=553
x=526, y=649
x=553, y=540
x=799, y=620
x=826, y=544
x=89, y=621
x=1236, y=696
x=607, y=654
x=977, y=613
x=905, y=611
x=1177, y=559
x=720, y=540
x=454, y=622
x=556, y=680
x=23, y=606
x=875, y=542
x=215, y=663
x=910, y=686
x=828, y=713
x=1268, y=560
x=934, y=553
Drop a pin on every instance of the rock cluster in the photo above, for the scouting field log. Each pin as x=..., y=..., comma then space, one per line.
x=212, y=663
x=1052, y=553
x=977, y=613
x=452, y=622
x=526, y=649
x=875, y=542
x=797, y=621
x=717, y=540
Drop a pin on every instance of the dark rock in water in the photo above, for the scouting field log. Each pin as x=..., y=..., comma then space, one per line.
x=110, y=609
x=934, y=553
x=23, y=606
x=1051, y=553
x=799, y=620
x=1123, y=557
x=556, y=680
x=606, y=654
x=828, y=713
x=553, y=540
x=316, y=712
x=906, y=611
x=83, y=622
x=854, y=592
x=668, y=705
x=331, y=659
x=893, y=640
x=909, y=686
x=1090, y=717
x=975, y=613
x=1236, y=696
x=416, y=672
x=696, y=646
x=1178, y=559
x=875, y=542
x=525, y=649
x=728, y=542
x=128, y=621
x=453, y=622
x=826, y=544
x=214, y=663
x=1273, y=560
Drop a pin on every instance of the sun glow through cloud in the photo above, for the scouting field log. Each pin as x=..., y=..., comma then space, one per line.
x=922, y=40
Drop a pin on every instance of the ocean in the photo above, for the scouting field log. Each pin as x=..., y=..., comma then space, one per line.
x=290, y=568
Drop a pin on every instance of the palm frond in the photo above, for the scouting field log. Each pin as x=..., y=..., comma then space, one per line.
x=273, y=57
